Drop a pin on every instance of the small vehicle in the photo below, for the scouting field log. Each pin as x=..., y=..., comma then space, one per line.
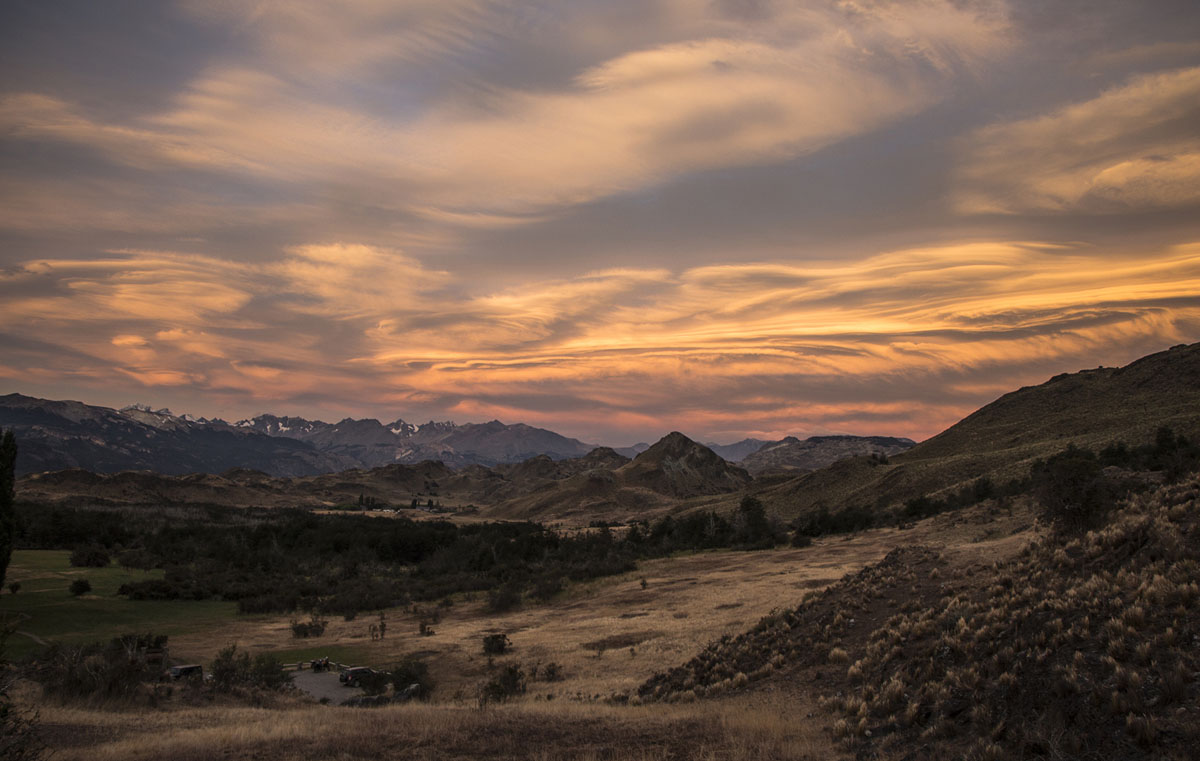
x=190, y=671
x=353, y=677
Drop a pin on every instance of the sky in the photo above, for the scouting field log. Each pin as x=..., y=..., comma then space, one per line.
x=611, y=218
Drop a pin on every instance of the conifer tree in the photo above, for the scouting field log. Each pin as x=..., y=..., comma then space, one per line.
x=8, y=519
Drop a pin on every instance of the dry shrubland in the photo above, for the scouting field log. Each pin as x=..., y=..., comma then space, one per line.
x=1079, y=646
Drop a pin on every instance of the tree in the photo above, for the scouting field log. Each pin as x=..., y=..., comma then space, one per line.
x=1071, y=489
x=8, y=520
x=751, y=527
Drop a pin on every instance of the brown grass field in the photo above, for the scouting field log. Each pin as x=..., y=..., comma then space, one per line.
x=609, y=635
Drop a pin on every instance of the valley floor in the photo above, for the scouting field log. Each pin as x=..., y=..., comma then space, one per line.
x=606, y=637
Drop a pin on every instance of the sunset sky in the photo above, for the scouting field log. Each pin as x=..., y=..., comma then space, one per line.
x=611, y=218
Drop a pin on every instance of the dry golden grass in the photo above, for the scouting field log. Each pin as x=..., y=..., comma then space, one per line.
x=725, y=732
x=688, y=601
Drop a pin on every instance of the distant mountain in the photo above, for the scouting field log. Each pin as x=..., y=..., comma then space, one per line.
x=673, y=469
x=792, y=454
x=738, y=450
x=57, y=435
x=1090, y=408
x=632, y=451
x=369, y=443
x=679, y=467
x=393, y=486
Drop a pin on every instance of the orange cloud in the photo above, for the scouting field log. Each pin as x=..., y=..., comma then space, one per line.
x=900, y=342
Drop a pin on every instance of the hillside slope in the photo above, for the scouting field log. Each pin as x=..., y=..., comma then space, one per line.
x=1073, y=647
x=793, y=454
x=1091, y=409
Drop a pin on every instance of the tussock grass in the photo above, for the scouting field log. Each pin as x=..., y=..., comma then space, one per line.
x=579, y=732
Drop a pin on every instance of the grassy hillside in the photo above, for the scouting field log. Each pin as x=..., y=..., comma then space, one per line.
x=1076, y=647
x=1091, y=409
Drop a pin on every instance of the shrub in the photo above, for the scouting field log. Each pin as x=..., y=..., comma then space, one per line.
x=496, y=644
x=509, y=683
x=150, y=589
x=505, y=597
x=140, y=559
x=105, y=672
x=314, y=627
x=14, y=587
x=546, y=587
x=90, y=556
x=1070, y=489
x=409, y=671
x=80, y=587
x=374, y=682
x=233, y=669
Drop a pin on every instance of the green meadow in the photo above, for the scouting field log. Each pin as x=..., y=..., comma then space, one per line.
x=44, y=609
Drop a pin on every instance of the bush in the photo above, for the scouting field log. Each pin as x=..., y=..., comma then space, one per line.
x=80, y=587
x=1070, y=489
x=546, y=587
x=409, y=671
x=114, y=671
x=496, y=644
x=552, y=672
x=90, y=556
x=233, y=669
x=150, y=589
x=139, y=559
x=374, y=682
x=801, y=540
x=509, y=683
x=314, y=627
x=505, y=597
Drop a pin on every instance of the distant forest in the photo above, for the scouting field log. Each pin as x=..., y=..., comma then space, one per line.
x=273, y=561
x=279, y=561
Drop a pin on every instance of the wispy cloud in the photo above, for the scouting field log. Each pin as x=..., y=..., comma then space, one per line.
x=762, y=347
x=740, y=95
x=1133, y=147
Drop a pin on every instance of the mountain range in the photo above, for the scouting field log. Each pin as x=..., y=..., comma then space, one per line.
x=60, y=435
x=369, y=443
x=1091, y=408
x=602, y=482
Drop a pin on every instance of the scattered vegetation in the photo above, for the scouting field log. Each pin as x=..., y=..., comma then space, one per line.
x=20, y=739
x=233, y=671
x=1074, y=488
x=116, y=672
x=282, y=561
x=1080, y=647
